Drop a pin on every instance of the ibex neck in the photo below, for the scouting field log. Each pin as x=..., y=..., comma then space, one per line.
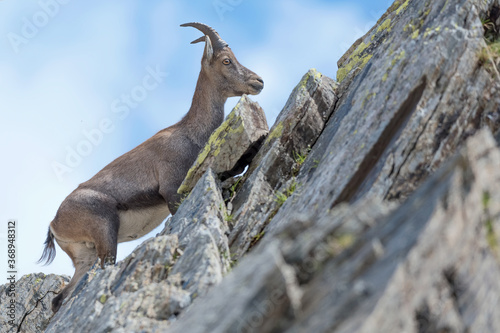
x=206, y=112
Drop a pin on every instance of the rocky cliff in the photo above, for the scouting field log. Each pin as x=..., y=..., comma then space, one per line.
x=371, y=205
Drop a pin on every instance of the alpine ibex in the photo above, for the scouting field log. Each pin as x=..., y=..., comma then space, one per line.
x=133, y=194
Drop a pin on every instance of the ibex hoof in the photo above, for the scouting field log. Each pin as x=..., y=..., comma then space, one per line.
x=109, y=261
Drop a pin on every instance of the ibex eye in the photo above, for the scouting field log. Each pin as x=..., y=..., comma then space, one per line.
x=226, y=61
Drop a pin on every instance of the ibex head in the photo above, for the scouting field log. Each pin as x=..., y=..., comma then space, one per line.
x=222, y=67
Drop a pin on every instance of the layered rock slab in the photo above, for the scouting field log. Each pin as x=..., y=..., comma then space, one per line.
x=271, y=173
x=232, y=146
x=202, y=229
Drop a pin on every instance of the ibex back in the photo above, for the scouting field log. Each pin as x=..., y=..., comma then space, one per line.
x=133, y=194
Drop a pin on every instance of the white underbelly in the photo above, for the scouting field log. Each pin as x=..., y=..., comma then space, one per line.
x=136, y=223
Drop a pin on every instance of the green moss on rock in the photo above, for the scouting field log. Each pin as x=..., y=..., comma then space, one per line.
x=385, y=26
x=402, y=7
x=216, y=140
x=355, y=60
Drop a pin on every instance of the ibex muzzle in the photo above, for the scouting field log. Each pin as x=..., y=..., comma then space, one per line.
x=133, y=194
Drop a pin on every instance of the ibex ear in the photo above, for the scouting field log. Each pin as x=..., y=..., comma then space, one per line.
x=209, y=51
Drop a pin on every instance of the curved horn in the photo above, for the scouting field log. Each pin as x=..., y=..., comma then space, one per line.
x=217, y=42
x=201, y=39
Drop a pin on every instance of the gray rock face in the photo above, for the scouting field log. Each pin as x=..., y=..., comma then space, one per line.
x=412, y=90
x=431, y=265
x=457, y=290
x=33, y=296
x=434, y=264
x=373, y=205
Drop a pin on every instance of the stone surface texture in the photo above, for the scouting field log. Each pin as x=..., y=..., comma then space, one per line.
x=33, y=294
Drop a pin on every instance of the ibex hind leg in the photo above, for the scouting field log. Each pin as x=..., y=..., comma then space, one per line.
x=100, y=242
x=83, y=258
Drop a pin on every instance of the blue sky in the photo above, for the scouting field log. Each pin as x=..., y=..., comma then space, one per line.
x=73, y=95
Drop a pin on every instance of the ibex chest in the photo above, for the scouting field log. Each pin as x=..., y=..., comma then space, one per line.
x=135, y=223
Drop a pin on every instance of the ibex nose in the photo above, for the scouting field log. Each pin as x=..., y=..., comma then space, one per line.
x=257, y=84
